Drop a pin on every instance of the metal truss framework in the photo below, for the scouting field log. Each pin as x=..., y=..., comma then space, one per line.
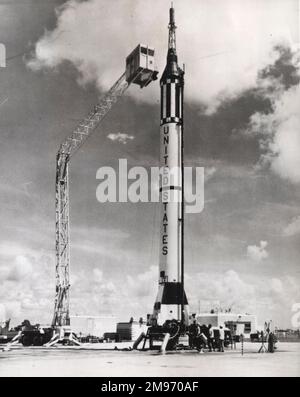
x=62, y=236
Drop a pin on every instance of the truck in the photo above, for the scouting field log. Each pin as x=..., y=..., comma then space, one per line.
x=35, y=335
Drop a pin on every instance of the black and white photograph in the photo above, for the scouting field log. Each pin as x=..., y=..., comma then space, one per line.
x=149, y=191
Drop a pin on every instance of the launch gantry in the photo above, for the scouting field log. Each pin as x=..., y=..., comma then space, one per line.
x=140, y=69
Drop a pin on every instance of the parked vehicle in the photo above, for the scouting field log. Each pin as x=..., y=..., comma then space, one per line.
x=35, y=335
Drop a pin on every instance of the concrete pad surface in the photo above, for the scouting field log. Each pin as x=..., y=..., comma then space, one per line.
x=92, y=360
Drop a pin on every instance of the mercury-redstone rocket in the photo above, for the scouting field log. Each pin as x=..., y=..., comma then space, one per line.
x=171, y=302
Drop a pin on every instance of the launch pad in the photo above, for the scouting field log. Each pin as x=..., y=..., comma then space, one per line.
x=93, y=361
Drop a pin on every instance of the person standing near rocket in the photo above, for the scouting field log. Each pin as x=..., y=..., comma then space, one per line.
x=171, y=302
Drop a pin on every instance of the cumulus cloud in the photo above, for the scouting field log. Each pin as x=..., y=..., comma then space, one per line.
x=280, y=138
x=17, y=268
x=278, y=129
x=98, y=275
x=2, y=56
x=225, y=289
x=279, y=296
x=227, y=42
x=209, y=173
x=258, y=252
x=292, y=228
x=120, y=137
x=276, y=285
x=268, y=298
x=21, y=269
x=9, y=310
x=95, y=293
x=124, y=295
x=25, y=288
x=144, y=284
x=2, y=313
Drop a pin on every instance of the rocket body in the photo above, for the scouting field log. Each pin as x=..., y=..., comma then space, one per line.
x=171, y=302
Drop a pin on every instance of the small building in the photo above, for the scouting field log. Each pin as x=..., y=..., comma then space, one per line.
x=131, y=331
x=93, y=325
x=239, y=323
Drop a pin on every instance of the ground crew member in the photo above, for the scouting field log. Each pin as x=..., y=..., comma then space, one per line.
x=194, y=331
x=221, y=339
x=210, y=338
x=271, y=343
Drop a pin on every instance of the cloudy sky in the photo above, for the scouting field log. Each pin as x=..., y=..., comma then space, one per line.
x=242, y=124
